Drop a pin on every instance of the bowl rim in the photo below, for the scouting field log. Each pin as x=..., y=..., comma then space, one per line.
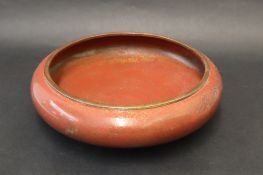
x=83, y=101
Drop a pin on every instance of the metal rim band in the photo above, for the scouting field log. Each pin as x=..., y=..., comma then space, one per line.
x=133, y=107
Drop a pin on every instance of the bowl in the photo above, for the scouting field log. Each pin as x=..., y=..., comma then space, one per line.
x=126, y=90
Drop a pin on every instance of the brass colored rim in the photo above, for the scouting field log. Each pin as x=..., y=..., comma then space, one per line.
x=128, y=107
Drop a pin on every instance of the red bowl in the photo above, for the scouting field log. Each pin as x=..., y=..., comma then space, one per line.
x=126, y=89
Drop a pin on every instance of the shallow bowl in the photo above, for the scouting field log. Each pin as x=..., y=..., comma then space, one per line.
x=126, y=89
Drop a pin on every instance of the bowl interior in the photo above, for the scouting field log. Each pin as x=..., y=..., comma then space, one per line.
x=126, y=70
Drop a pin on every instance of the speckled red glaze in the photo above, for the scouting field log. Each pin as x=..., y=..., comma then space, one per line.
x=126, y=128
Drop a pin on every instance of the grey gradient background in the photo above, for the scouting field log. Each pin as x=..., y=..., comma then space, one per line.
x=230, y=32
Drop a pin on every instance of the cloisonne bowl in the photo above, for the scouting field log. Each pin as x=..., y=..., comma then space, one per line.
x=126, y=89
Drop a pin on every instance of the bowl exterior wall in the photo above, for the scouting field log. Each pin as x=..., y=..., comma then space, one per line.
x=125, y=128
